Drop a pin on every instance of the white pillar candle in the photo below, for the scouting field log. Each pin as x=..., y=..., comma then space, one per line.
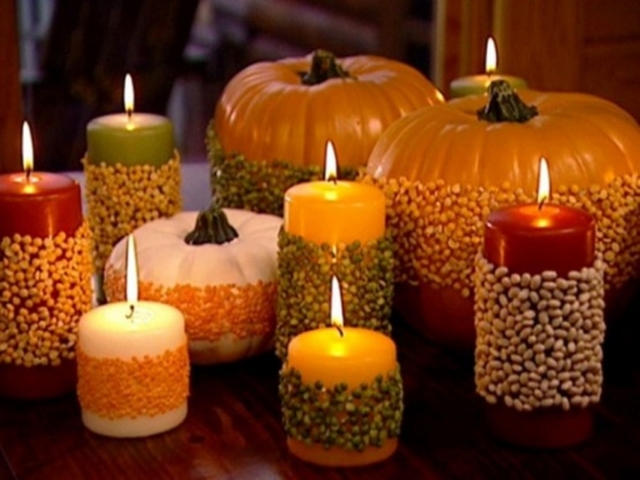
x=133, y=373
x=133, y=365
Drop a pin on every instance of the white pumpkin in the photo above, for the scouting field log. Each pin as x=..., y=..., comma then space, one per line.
x=227, y=292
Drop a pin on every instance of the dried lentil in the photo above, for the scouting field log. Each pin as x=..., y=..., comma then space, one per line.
x=304, y=285
x=256, y=185
x=209, y=312
x=367, y=415
x=115, y=388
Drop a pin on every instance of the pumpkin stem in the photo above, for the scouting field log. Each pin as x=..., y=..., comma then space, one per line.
x=323, y=67
x=212, y=226
x=504, y=105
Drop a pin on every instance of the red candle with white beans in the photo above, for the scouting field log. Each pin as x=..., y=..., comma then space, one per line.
x=539, y=322
x=538, y=237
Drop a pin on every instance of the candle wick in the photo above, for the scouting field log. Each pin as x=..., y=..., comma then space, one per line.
x=129, y=114
x=339, y=329
x=333, y=179
x=28, y=174
x=131, y=309
x=542, y=202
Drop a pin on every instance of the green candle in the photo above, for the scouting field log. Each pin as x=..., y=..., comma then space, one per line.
x=130, y=138
x=478, y=84
x=141, y=138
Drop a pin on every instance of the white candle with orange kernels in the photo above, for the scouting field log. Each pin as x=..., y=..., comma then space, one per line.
x=133, y=365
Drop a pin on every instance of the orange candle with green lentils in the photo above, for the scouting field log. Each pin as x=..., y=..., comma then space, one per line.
x=333, y=211
x=45, y=279
x=133, y=369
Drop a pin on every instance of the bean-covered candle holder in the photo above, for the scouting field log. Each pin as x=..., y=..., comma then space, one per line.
x=257, y=185
x=132, y=175
x=45, y=281
x=332, y=227
x=539, y=320
x=304, y=273
x=341, y=393
x=121, y=198
x=133, y=364
x=133, y=370
x=539, y=352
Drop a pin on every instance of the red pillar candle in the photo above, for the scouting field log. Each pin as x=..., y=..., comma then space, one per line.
x=530, y=238
x=533, y=239
x=37, y=205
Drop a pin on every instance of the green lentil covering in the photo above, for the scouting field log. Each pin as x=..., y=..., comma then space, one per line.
x=304, y=285
x=259, y=186
x=336, y=417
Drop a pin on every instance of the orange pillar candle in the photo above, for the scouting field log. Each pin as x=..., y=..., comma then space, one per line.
x=340, y=360
x=334, y=211
x=40, y=214
x=478, y=84
x=545, y=243
x=333, y=227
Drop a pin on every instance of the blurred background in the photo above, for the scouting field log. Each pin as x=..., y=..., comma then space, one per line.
x=73, y=54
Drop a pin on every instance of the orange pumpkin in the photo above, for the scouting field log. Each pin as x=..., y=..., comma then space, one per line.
x=279, y=116
x=445, y=168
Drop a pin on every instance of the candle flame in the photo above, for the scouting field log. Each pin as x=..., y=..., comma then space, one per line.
x=27, y=150
x=128, y=95
x=491, y=57
x=337, y=318
x=544, y=183
x=132, y=272
x=330, y=164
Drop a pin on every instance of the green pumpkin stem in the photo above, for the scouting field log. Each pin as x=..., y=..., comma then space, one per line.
x=323, y=67
x=212, y=226
x=504, y=105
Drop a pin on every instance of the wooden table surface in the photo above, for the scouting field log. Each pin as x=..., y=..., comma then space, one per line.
x=233, y=429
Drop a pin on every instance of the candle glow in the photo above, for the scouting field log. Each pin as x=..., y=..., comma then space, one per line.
x=132, y=272
x=330, y=164
x=27, y=150
x=128, y=94
x=544, y=183
x=490, y=57
x=337, y=317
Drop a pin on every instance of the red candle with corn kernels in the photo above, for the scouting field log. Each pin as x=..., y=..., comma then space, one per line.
x=41, y=206
x=532, y=239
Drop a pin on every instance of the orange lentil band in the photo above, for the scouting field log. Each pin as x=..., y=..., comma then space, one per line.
x=210, y=312
x=45, y=287
x=115, y=388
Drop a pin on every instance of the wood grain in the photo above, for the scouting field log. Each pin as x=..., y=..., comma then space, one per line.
x=233, y=429
x=10, y=99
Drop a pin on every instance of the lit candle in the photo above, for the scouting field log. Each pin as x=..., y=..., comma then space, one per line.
x=130, y=138
x=541, y=248
x=38, y=203
x=133, y=365
x=334, y=211
x=331, y=365
x=478, y=84
x=44, y=279
x=537, y=237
